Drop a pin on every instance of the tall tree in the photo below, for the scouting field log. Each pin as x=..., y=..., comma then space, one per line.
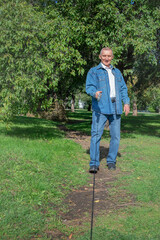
x=37, y=58
x=51, y=45
x=130, y=28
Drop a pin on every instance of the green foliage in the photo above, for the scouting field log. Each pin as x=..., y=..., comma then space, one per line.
x=131, y=30
x=37, y=58
x=150, y=99
x=154, y=95
x=47, y=47
x=23, y=65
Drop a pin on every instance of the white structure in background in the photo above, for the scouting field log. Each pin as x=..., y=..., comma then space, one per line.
x=81, y=104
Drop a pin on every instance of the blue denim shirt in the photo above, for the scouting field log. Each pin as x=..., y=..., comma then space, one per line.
x=97, y=80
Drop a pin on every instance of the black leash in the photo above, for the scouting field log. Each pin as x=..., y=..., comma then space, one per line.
x=92, y=206
x=94, y=185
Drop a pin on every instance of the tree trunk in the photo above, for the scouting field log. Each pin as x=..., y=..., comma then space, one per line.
x=134, y=108
x=72, y=103
x=158, y=110
x=58, y=112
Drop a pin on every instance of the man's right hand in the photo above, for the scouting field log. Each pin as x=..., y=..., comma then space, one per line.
x=97, y=93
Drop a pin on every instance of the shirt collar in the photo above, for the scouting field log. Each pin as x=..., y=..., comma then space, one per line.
x=105, y=67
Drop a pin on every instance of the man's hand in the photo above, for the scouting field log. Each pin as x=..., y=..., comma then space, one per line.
x=97, y=93
x=126, y=109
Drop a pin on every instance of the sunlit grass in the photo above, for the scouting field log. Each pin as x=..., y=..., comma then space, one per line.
x=140, y=155
x=39, y=166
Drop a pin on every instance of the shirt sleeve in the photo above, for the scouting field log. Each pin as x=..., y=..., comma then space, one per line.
x=124, y=92
x=91, y=84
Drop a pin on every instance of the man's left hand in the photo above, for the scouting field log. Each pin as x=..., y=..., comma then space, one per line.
x=126, y=109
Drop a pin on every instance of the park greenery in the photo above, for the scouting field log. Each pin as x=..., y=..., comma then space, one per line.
x=47, y=48
x=35, y=181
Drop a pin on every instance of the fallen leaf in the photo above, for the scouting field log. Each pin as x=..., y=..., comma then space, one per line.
x=97, y=201
x=70, y=236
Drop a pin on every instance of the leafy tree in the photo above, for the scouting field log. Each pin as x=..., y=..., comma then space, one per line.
x=150, y=99
x=37, y=58
x=52, y=44
x=155, y=96
x=131, y=30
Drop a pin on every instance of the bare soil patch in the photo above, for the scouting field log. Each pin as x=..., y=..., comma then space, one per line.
x=107, y=197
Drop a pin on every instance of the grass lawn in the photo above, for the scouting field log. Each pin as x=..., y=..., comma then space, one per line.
x=39, y=167
x=140, y=150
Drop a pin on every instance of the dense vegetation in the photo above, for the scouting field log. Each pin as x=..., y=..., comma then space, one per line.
x=47, y=47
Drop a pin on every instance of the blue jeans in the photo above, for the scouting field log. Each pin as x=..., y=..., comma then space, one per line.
x=98, y=124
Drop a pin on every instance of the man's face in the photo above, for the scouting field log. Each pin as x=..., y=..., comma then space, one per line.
x=106, y=57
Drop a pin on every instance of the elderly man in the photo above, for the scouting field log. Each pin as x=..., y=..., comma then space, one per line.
x=107, y=87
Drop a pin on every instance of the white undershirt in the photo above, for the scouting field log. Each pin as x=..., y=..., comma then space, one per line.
x=111, y=80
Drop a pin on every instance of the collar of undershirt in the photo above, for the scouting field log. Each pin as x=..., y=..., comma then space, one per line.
x=105, y=67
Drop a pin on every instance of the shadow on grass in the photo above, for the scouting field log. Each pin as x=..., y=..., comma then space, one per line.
x=144, y=124
x=103, y=152
x=80, y=125
x=80, y=114
x=33, y=128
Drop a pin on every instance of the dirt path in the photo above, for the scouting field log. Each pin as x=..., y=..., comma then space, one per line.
x=79, y=201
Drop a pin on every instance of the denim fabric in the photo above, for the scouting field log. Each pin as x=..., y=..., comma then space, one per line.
x=97, y=80
x=98, y=123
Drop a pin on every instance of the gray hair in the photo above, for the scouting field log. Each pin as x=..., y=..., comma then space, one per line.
x=106, y=48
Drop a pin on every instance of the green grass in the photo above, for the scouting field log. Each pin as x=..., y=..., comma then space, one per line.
x=132, y=224
x=139, y=159
x=39, y=166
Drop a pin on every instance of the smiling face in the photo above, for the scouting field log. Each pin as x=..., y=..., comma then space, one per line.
x=106, y=57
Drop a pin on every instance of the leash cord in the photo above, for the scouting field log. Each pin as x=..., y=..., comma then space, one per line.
x=92, y=206
x=93, y=190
